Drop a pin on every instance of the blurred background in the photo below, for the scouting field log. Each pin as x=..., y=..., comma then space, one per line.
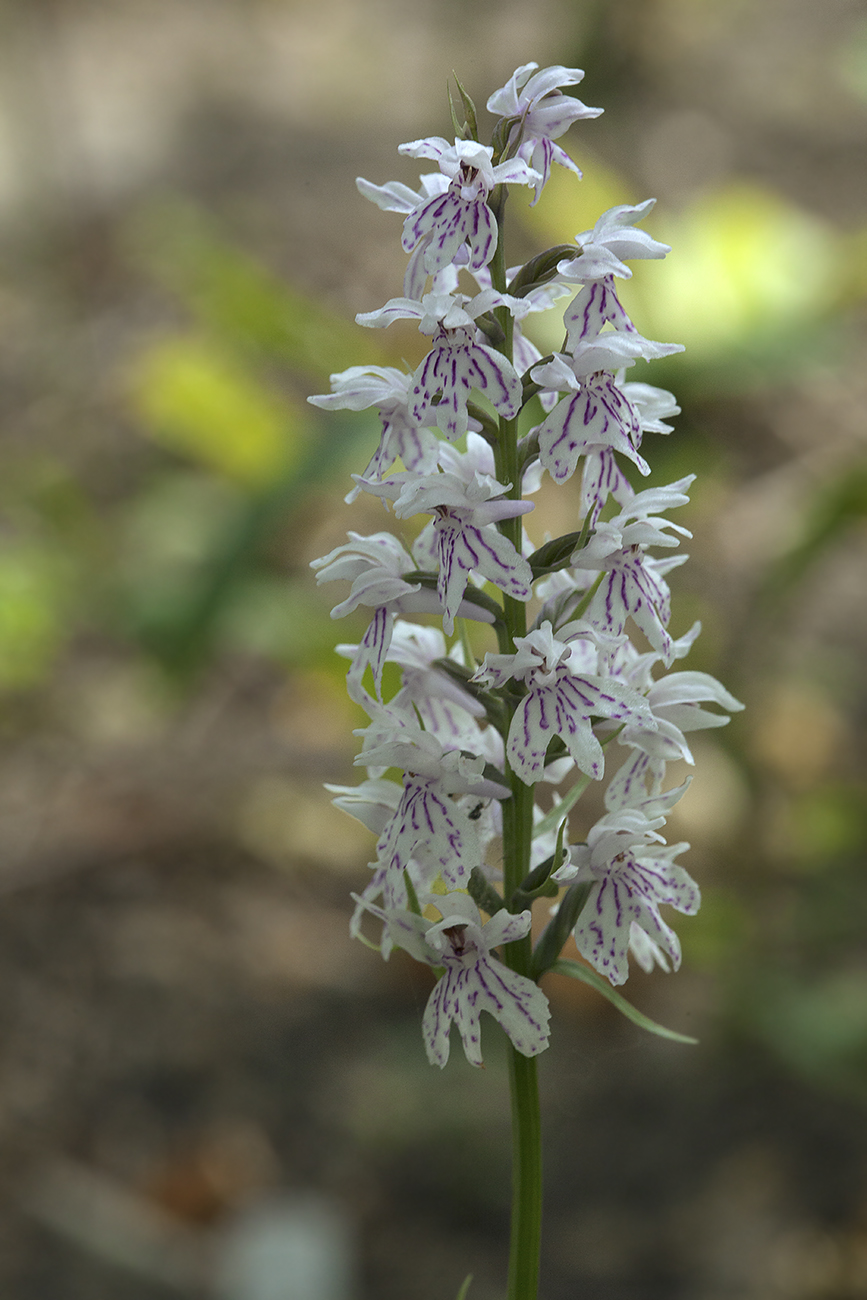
x=201, y=1078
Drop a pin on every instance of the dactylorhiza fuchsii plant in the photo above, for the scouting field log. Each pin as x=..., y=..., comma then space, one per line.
x=581, y=684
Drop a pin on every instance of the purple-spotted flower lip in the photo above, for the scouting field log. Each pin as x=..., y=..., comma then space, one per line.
x=632, y=874
x=473, y=979
x=632, y=583
x=456, y=223
x=594, y=416
x=466, y=539
x=430, y=836
x=560, y=701
x=592, y=309
x=456, y=364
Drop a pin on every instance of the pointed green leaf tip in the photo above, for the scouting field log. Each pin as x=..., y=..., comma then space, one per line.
x=470, y=128
x=411, y=894
x=598, y=982
x=465, y=1286
x=459, y=129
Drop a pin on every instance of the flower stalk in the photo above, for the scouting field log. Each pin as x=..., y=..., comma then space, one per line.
x=468, y=842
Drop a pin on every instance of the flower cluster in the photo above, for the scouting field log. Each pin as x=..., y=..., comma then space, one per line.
x=584, y=655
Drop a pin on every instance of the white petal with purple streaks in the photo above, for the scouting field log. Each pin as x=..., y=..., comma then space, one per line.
x=632, y=875
x=564, y=709
x=453, y=368
x=427, y=825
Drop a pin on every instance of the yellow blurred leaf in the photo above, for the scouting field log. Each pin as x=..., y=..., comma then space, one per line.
x=743, y=260
x=197, y=401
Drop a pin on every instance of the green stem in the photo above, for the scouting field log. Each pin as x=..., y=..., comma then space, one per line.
x=526, y=1237
x=526, y=1228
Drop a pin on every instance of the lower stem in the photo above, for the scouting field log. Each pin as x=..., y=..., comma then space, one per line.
x=526, y=1234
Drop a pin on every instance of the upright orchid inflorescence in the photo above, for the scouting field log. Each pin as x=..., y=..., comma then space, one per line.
x=479, y=826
